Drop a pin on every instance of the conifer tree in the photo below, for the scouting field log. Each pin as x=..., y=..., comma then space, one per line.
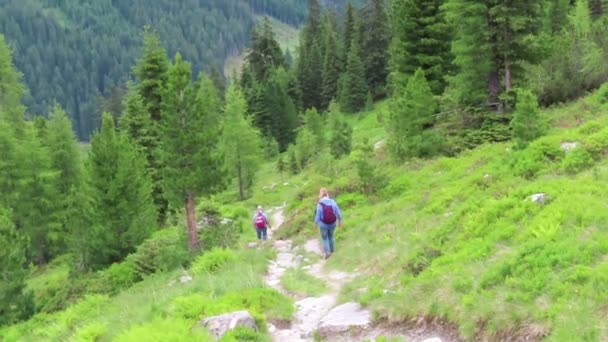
x=314, y=123
x=288, y=58
x=375, y=42
x=240, y=141
x=278, y=109
x=15, y=303
x=137, y=125
x=151, y=72
x=526, y=124
x=341, y=133
x=13, y=90
x=332, y=65
x=348, y=30
x=66, y=161
x=190, y=137
x=353, y=88
x=219, y=81
x=122, y=192
x=294, y=168
x=310, y=58
x=556, y=15
x=411, y=109
x=421, y=39
x=265, y=52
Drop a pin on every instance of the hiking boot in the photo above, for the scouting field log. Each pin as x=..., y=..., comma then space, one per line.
x=325, y=256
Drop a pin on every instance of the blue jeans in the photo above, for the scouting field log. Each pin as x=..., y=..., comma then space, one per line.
x=327, y=237
x=262, y=233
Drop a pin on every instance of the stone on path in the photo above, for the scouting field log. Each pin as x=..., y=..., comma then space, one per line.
x=432, y=339
x=219, y=325
x=344, y=318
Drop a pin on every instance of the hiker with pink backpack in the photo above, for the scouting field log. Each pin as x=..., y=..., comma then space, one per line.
x=327, y=215
x=261, y=224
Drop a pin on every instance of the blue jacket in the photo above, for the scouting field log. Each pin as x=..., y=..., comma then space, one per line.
x=319, y=213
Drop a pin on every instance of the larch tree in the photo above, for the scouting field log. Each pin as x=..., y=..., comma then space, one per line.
x=241, y=141
x=191, y=133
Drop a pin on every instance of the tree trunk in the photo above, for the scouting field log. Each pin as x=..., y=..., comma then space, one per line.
x=191, y=222
x=493, y=87
x=507, y=38
x=241, y=185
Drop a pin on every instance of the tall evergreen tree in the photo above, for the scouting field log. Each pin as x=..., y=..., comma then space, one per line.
x=122, y=190
x=15, y=303
x=151, y=72
x=375, y=42
x=348, y=30
x=353, y=88
x=526, y=124
x=556, y=15
x=341, y=132
x=138, y=126
x=421, y=39
x=190, y=136
x=279, y=109
x=265, y=52
x=332, y=64
x=310, y=58
x=240, y=141
x=218, y=80
x=493, y=40
x=412, y=109
x=12, y=89
x=66, y=161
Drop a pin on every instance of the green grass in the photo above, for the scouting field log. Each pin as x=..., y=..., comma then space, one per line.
x=300, y=283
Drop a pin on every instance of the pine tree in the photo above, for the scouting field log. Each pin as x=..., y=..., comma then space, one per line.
x=353, y=88
x=294, y=168
x=315, y=124
x=190, y=136
x=332, y=65
x=526, y=124
x=412, y=110
x=15, y=303
x=556, y=15
x=137, y=125
x=122, y=192
x=219, y=81
x=421, y=39
x=240, y=141
x=151, y=72
x=375, y=43
x=348, y=30
x=278, y=110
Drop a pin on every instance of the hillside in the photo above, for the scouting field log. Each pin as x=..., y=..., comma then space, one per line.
x=73, y=52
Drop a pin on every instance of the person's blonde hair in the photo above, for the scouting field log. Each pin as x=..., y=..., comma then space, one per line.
x=323, y=193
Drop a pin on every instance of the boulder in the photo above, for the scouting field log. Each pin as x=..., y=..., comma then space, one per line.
x=538, y=198
x=219, y=325
x=348, y=317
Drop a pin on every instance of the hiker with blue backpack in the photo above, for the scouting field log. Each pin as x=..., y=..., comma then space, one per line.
x=261, y=224
x=327, y=215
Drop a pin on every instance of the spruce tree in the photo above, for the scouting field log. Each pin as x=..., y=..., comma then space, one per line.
x=348, y=30
x=375, y=42
x=13, y=90
x=315, y=124
x=241, y=142
x=190, y=137
x=353, y=88
x=411, y=110
x=278, y=109
x=138, y=126
x=265, y=52
x=332, y=65
x=310, y=58
x=218, y=80
x=122, y=191
x=421, y=39
x=151, y=72
x=526, y=124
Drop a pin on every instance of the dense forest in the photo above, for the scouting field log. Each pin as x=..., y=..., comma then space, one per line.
x=455, y=74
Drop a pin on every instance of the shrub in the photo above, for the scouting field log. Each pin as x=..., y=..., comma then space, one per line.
x=597, y=143
x=90, y=332
x=536, y=156
x=119, y=276
x=191, y=307
x=243, y=334
x=577, y=160
x=166, y=330
x=212, y=261
x=164, y=251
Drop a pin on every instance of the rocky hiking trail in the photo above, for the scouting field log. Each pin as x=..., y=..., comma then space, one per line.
x=322, y=316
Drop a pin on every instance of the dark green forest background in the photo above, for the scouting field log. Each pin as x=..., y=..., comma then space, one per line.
x=79, y=53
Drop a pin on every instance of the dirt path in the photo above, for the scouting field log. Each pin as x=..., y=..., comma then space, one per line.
x=322, y=316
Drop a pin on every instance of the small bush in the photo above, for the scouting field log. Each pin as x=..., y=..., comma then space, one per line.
x=212, y=261
x=243, y=334
x=577, y=160
x=90, y=332
x=175, y=330
x=597, y=143
x=119, y=276
x=191, y=307
x=536, y=156
x=164, y=251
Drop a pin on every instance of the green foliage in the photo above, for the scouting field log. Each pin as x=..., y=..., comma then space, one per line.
x=270, y=147
x=243, y=334
x=529, y=162
x=370, y=179
x=170, y=330
x=353, y=87
x=297, y=281
x=577, y=160
x=15, y=302
x=293, y=164
x=340, y=141
x=90, y=333
x=241, y=143
x=164, y=251
x=120, y=276
x=526, y=124
x=375, y=42
x=332, y=63
x=211, y=261
x=412, y=110
x=122, y=192
x=410, y=21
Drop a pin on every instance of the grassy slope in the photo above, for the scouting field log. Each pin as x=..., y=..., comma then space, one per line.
x=458, y=238
x=455, y=238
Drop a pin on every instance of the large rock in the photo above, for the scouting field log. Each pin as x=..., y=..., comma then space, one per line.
x=219, y=325
x=348, y=317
